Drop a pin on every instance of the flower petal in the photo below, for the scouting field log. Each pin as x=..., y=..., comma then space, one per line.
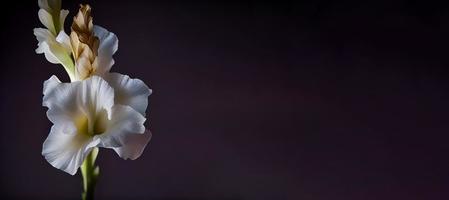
x=54, y=51
x=64, y=40
x=45, y=48
x=134, y=145
x=47, y=20
x=67, y=101
x=96, y=95
x=128, y=91
x=50, y=84
x=108, y=46
x=66, y=151
x=59, y=98
x=125, y=121
x=42, y=34
x=59, y=52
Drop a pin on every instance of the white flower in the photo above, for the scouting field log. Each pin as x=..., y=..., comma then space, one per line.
x=53, y=42
x=95, y=112
x=98, y=108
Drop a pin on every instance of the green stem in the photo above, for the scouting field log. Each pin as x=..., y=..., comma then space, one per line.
x=56, y=22
x=90, y=174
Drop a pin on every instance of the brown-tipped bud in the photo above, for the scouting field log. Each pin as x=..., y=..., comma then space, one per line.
x=84, y=42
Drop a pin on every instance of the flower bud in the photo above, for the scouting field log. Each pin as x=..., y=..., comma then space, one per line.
x=84, y=43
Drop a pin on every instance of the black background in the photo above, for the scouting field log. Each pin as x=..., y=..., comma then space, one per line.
x=312, y=100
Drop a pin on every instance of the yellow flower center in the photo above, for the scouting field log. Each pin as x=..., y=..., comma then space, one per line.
x=91, y=126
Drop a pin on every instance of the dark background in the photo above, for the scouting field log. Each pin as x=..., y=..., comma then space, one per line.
x=311, y=100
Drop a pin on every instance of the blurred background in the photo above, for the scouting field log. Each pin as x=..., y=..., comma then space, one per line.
x=311, y=100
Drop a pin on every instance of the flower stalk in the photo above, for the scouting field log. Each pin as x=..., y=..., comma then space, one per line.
x=98, y=108
x=90, y=174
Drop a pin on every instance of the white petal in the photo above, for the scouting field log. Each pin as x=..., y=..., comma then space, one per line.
x=45, y=49
x=42, y=34
x=58, y=51
x=125, y=121
x=128, y=91
x=108, y=46
x=66, y=151
x=60, y=98
x=46, y=20
x=67, y=101
x=64, y=40
x=95, y=93
x=108, y=40
x=134, y=145
x=50, y=84
x=55, y=52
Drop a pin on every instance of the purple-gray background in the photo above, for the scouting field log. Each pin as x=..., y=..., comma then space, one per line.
x=312, y=100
